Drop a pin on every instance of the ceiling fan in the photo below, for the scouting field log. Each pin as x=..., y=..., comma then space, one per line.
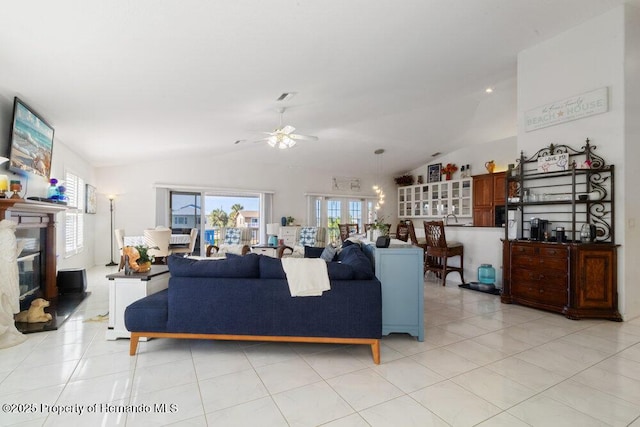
x=283, y=136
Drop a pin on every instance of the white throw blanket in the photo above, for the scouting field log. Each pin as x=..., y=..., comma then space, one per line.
x=306, y=276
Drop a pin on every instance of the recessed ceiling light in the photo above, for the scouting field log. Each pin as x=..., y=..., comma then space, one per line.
x=286, y=96
x=489, y=90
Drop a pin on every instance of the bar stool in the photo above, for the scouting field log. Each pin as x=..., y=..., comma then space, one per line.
x=439, y=251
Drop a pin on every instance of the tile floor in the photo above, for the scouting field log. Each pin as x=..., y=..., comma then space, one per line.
x=482, y=363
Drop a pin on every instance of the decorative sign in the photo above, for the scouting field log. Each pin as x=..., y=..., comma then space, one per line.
x=576, y=107
x=343, y=183
x=553, y=163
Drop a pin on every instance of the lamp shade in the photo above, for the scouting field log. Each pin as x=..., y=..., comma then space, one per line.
x=273, y=228
x=4, y=183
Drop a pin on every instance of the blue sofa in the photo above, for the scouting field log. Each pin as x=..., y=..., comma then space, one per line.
x=247, y=298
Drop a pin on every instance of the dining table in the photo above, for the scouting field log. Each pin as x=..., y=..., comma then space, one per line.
x=175, y=239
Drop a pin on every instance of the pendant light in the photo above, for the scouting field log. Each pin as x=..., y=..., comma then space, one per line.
x=378, y=187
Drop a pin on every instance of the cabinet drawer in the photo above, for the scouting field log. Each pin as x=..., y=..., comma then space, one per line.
x=541, y=294
x=540, y=263
x=556, y=251
x=560, y=264
x=550, y=278
x=523, y=250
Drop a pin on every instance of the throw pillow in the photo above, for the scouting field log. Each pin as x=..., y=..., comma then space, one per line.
x=308, y=236
x=328, y=253
x=312, y=252
x=353, y=256
x=232, y=236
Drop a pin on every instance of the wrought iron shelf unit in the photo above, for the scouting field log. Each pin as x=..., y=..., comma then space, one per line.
x=586, y=188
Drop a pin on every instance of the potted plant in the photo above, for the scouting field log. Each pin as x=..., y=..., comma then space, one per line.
x=378, y=228
x=404, y=180
x=146, y=259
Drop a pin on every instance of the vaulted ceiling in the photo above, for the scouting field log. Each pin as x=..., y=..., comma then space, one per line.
x=167, y=78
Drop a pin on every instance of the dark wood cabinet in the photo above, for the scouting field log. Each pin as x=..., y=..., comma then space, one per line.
x=575, y=279
x=573, y=274
x=488, y=198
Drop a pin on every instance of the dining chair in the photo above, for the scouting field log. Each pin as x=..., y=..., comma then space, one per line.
x=187, y=250
x=347, y=230
x=402, y=231
x=439, y=251
x=119, y=234
x=159, y=239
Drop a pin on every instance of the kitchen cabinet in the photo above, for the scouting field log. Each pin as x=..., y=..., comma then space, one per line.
x=489, y=199
x=436, y=199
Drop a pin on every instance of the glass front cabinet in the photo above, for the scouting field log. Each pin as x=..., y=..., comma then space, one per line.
x=436, y=199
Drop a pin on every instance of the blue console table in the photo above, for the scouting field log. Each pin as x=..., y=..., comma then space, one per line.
x=400, y=270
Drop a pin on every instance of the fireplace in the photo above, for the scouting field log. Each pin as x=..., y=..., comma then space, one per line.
x=30, y=267
x=36, y=230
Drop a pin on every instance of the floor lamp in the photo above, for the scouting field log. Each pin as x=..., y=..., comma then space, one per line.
x=111, y=198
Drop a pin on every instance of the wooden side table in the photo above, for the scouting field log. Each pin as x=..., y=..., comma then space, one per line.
x=125, y=289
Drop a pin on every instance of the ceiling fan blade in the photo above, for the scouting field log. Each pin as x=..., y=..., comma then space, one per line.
x=303, y=137
x=287, y=129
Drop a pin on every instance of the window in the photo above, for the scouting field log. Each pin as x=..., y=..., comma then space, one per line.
x=331, y=211
x=232, y=210
x=74, y=215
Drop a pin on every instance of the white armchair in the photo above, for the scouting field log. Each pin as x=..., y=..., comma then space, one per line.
x=235, y=240
x=306, y=236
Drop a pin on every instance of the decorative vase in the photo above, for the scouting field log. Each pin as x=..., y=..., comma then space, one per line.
x=448, y=176
x=283, y=221
x=490, y=165
x=144, y=267
x=486, y=274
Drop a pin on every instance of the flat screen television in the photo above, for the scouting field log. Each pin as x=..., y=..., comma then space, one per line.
x=31, y=141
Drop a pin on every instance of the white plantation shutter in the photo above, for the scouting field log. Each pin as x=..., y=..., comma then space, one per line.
x=74, y=221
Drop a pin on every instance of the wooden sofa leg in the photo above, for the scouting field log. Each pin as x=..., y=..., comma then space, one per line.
x=133, y=345
x=375, y=350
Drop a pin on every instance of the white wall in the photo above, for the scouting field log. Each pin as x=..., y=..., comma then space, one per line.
x=502, y=152
x=582, y=59
x=631, y=252
x=134, y=187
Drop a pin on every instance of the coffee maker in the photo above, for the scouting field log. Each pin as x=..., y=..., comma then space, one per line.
x=538, y=228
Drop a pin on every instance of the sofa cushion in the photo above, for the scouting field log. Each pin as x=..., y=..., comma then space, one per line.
x=234, y=267
x=339, y=271
x=149, y=314
x=271, y=268
x=352, y=255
